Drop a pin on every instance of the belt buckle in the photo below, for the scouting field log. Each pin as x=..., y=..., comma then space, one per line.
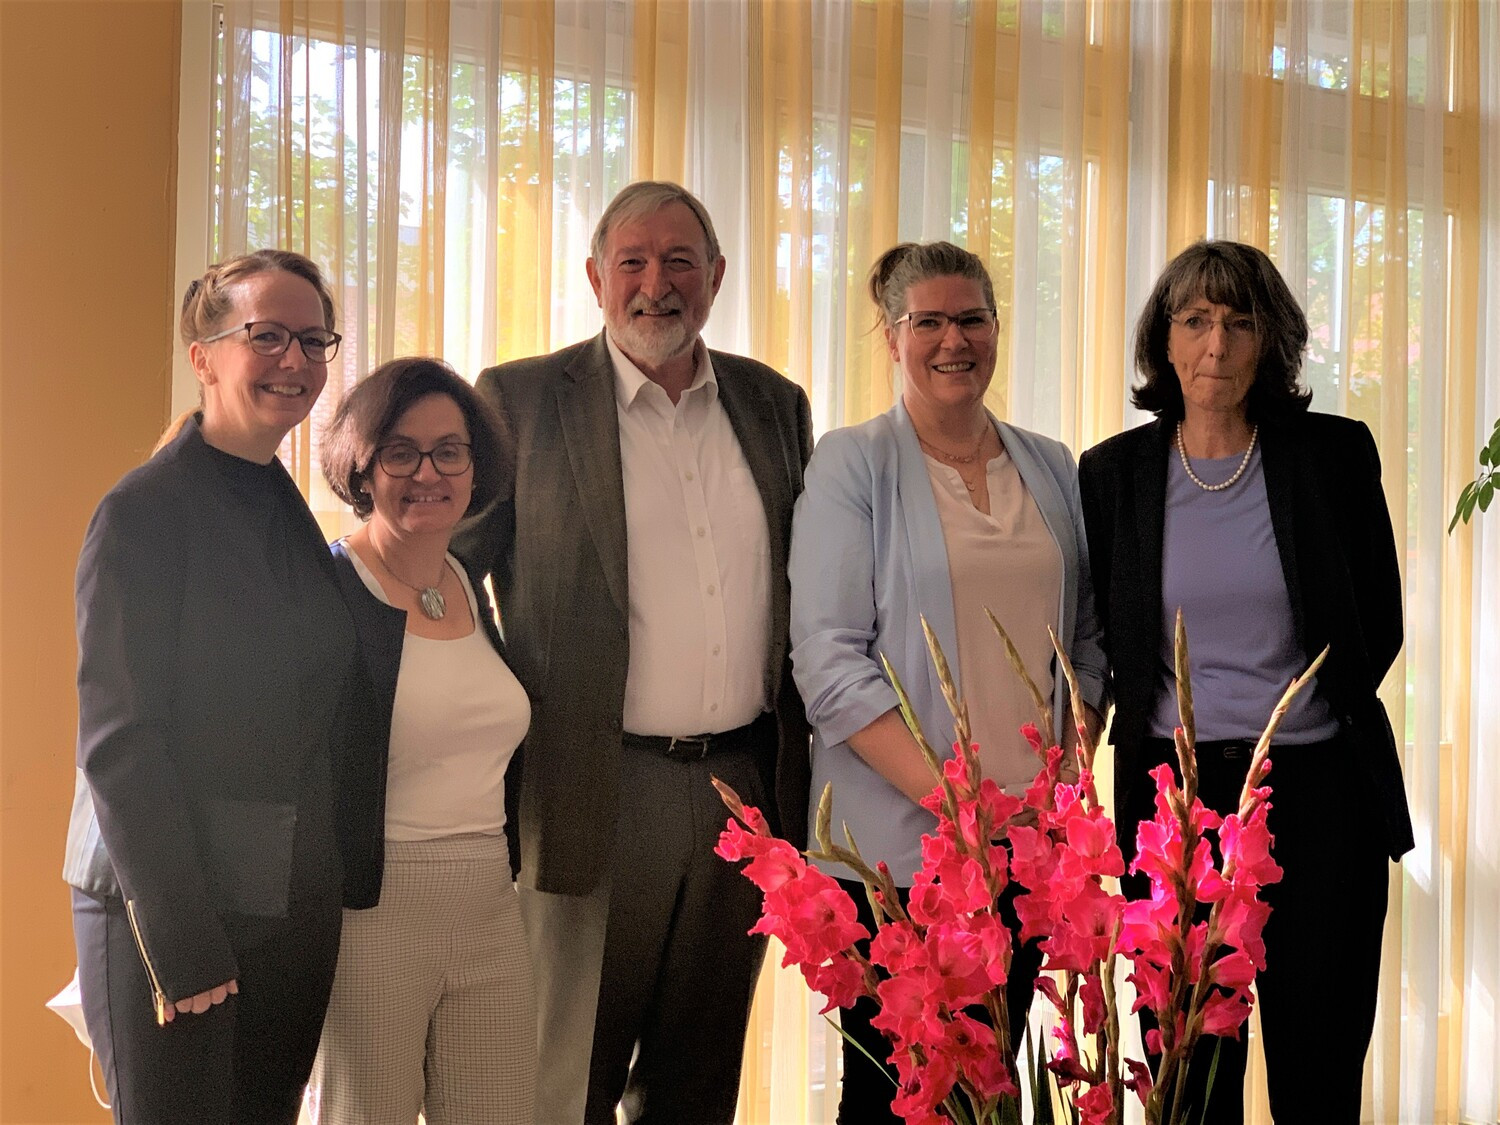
x=1238, y=751
x=684, y=755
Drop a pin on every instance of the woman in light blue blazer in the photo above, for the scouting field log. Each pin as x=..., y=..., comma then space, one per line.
x=936, y=509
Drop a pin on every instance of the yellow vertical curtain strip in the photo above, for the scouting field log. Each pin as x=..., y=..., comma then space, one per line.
x=1461, y=24
x=1000, y=205
x=1260, y=120
x=522, y=178
x=1108, y=126
x=874, y=100
x=661, y=74
x=436, y=69
x=291, y=230
x=1189, y=86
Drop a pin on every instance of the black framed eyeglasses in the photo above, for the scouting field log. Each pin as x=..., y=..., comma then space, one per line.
x=268, y=338
x=400, y=460
x=975, y=324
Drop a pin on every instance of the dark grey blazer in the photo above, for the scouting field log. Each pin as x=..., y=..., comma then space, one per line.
x=216, y=659
x=564, y=599
x=1338, y=554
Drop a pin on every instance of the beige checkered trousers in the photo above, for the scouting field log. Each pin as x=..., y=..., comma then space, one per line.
x=434, y=1005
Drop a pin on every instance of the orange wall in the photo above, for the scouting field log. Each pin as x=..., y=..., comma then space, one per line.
x=88, y=143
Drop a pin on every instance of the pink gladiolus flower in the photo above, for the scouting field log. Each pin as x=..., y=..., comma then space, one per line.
x=1153, y=1041
x=1065, y=1062
x=908, y=1011
x=1148, y=922
x=898, y=947
x=1248, y=846
x=1033, y=736
x=1242, y=917
x=1091, y=995
x=967, y=962
x=1224, y=1014
x=1091, y=844
x=1096, y=1106
x=1032, y=857
x=1140, y=1079
x=1085, y=939
x=925, y=1087
x=1234, y=971
x=775, y=865
x=1153, y=986
x=841, y=981
x=813, y=917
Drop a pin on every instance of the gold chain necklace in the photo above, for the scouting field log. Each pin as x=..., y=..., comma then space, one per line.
x=1192, y=476
x=956, y=458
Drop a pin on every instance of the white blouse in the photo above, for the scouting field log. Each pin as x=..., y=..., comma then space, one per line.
x=459, y=715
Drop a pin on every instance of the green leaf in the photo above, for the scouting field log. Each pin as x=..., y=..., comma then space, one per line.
x=1486, y=494
x=1213, y=1069
x=1486, y=456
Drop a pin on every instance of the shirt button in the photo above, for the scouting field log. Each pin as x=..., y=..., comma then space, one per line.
x=701, y=533
x=687, y=475
x=716, y=650
x=711, y=591
x=713, y=706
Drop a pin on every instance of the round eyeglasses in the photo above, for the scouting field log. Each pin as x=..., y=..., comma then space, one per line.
x=974, y=324
x=268, y=338
x=450, y=458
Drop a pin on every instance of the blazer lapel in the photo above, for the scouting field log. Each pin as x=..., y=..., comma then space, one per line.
x=1278, y=458
x=1150, y=472
x=764, y=441
x=591, y=432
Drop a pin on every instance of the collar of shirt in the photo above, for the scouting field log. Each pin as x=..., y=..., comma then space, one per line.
x=630, y=380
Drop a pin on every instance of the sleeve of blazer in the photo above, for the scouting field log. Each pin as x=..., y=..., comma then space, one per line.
x=1373, y=564
x=483, y=541
x=1096, y=499
x=128, y=588
x=832, y=572
x=1087, y=651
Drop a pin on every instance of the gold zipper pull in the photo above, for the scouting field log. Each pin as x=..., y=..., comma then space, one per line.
x=158, y=997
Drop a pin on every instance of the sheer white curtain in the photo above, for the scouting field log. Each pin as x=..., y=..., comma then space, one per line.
x=446, y=161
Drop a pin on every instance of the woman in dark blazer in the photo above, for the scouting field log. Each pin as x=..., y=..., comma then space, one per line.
x=434, y=1004
x=215, y=657
x=1267, y=525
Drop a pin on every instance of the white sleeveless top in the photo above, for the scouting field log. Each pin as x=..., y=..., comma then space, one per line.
x=459, y=715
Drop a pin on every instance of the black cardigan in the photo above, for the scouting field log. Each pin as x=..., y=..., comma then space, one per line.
x=1338, y=554
x=361, y=775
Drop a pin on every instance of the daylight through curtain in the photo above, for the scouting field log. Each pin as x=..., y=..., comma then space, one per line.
x=446, y=160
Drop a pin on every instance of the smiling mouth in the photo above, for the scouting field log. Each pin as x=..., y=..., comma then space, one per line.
x=283, y=390
x=424, y=499
x=953, y=368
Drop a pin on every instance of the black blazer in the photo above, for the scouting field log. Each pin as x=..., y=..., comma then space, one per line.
x=361, y=773
x=1338, y=554
x=216, y=659
x=558, y=559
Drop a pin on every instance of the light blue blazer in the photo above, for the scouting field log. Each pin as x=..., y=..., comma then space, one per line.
x=868, y=561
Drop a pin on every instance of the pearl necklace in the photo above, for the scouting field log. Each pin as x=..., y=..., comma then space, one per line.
x=431, y=599
x=1192, y=476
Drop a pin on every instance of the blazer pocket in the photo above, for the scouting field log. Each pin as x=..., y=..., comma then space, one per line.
x=249, y=854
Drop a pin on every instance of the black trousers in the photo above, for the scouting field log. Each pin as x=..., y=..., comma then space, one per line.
x=868, y=1089
x=242, y=1062
x=1317, y=992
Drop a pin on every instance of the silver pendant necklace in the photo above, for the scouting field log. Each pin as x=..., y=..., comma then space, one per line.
x=430, y=598
x=1192, y=476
